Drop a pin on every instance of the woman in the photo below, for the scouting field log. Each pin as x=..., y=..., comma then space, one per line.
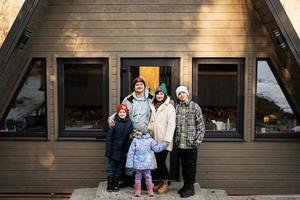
x=162, y=125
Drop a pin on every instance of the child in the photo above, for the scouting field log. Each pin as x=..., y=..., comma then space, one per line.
x=117, y=144
x=189, y=134
x=140, y=158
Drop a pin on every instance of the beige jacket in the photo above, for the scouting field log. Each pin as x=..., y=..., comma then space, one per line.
x=162, y=123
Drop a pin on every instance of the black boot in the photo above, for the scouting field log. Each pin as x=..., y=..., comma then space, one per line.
x=110, y=186
x=181, y=189
x=189, y=191
x=116, y=184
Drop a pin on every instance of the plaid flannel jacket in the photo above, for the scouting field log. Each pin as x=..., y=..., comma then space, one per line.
x=190, y=128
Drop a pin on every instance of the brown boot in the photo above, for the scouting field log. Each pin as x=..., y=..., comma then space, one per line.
x=164, y=187
x=158, y=186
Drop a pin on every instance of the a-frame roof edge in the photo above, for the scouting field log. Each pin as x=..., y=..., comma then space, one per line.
x=287, y=29
x=16, y=31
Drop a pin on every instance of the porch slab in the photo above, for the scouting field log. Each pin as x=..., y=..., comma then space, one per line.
x=100, y=193
x=84, y=194
x=267, y=197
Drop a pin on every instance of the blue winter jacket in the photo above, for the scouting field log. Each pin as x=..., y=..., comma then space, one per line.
x=139, y=154
x=117, y=139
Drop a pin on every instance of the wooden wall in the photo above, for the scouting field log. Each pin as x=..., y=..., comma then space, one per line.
x=141, y=28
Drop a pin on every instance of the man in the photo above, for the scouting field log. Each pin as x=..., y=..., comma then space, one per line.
x=189, y=134
x=138, y=104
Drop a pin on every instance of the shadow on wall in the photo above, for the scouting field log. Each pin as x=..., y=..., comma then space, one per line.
x=211, y=28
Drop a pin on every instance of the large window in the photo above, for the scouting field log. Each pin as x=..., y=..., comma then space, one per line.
x=274, y=117
x=153, y=71
x=218, y=88
x=26, y=115
x=83, y=96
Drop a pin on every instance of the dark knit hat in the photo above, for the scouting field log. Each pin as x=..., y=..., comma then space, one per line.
x=122, y=107
x=136, y=80
x=163, y=88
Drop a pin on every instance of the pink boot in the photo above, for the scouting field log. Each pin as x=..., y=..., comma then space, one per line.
x=137, y=189
x=150, y=189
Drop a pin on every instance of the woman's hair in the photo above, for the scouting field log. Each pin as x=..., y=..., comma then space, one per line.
x=155, y=100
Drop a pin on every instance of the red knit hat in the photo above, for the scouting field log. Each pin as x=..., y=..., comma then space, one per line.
x=122, y=107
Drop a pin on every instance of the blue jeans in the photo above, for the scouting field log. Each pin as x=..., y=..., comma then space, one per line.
x=114, y=168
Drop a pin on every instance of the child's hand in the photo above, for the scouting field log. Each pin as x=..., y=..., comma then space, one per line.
x=138, y=132
x=165, y=144
x=135, y=133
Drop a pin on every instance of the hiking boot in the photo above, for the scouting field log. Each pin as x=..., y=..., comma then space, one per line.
x=188, y=192
x=116, y=184
x=110, y=184
x=181, y=189
x=163, y=188
x=158, y=186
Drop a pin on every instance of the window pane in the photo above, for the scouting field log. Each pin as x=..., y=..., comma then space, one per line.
x=152, y=75
x=273, y=112
x=83, y=96
x=27, y=115
x=217, y=95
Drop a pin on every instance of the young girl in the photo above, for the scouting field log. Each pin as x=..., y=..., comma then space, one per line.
x=117, y=144
x=140, y=158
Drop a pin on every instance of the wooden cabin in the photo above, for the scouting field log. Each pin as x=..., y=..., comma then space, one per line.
x=66, y=64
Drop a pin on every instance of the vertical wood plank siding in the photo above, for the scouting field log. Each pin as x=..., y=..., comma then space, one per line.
x=159, y=28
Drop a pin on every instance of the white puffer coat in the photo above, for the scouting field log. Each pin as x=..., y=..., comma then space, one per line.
x=162, y=123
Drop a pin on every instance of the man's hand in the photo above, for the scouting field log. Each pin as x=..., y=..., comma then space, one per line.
x=111, y=122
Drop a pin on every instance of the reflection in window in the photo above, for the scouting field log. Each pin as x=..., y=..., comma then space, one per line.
x=83, y=92
x=273, y=112
x=217, y=96
x=27, y=115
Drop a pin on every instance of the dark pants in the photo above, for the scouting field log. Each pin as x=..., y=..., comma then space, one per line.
x=114, y=168
x=127, y=180
x=161, y=164
x=188, y=158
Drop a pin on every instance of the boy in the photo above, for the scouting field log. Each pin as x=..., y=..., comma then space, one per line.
x=189, y=134
x=117, y=145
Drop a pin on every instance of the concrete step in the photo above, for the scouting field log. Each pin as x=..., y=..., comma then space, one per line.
x=84, y=194
x=128, y=193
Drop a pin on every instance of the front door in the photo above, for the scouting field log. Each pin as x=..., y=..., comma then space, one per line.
x=153, y=71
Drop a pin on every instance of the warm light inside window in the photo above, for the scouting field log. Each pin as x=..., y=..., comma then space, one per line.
x=151, y=76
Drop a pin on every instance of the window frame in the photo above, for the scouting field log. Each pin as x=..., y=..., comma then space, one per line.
x=240, y=62
x=29, y=135
x=96, y=134
x=128, y=62
x=274, y=136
